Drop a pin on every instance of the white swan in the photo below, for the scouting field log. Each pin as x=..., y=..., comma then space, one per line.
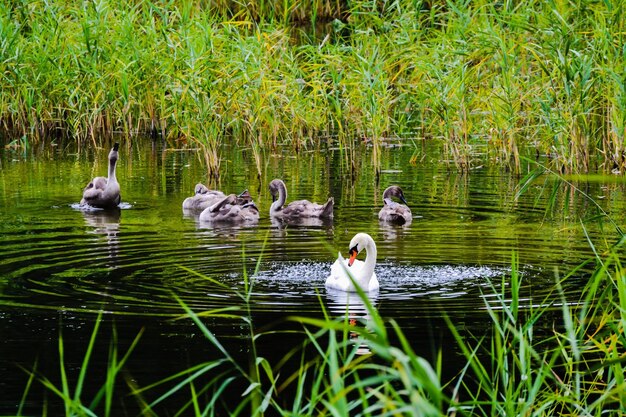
x=361, y=272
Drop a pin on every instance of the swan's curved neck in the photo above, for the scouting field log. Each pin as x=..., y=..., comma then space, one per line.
x=282, y=197
x=112, y=163
x=370, y=257
x=368, y=266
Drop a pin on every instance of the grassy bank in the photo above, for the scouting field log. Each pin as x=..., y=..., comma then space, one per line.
x=482, y=78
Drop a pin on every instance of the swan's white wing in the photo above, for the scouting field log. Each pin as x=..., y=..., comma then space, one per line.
x=338, y=279
x=339, y=275
x=374, y=286
x=337, y=270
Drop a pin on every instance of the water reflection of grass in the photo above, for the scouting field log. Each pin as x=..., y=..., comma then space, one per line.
x=475, y=75
x=345, y=367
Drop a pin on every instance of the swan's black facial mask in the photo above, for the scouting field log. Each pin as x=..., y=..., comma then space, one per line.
x=354, y=251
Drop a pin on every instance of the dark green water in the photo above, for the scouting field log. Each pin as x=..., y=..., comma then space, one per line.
x=60, y=266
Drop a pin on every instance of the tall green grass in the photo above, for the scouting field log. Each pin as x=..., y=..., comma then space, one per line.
x=483, y=78
x=74, y=401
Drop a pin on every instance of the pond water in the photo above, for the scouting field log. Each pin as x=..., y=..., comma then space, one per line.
x=60, y=267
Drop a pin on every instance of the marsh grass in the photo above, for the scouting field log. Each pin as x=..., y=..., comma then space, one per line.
x=483, y=78
x=572, y=372
x=72, y=395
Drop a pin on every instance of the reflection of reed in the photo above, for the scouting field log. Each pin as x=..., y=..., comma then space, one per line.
x=351, y=306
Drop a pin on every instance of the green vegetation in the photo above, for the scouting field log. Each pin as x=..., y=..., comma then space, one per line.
x=483, y=78
x=74, y=401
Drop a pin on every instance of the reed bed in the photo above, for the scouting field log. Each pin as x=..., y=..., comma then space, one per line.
x=484, y=79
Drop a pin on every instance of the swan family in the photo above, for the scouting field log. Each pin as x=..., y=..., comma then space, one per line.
x=214, y=206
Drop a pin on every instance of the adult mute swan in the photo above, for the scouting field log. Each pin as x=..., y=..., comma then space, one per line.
x=393, y=212
x=361, y=272
x=296, y=209
x=104, y=192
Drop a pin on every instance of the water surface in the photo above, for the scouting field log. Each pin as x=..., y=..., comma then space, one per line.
x=60, y=267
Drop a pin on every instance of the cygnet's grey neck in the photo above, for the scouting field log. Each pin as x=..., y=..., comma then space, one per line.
x=282, y=196
x=112, y=164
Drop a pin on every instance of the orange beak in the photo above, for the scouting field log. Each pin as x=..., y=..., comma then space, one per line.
x=353, y=255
